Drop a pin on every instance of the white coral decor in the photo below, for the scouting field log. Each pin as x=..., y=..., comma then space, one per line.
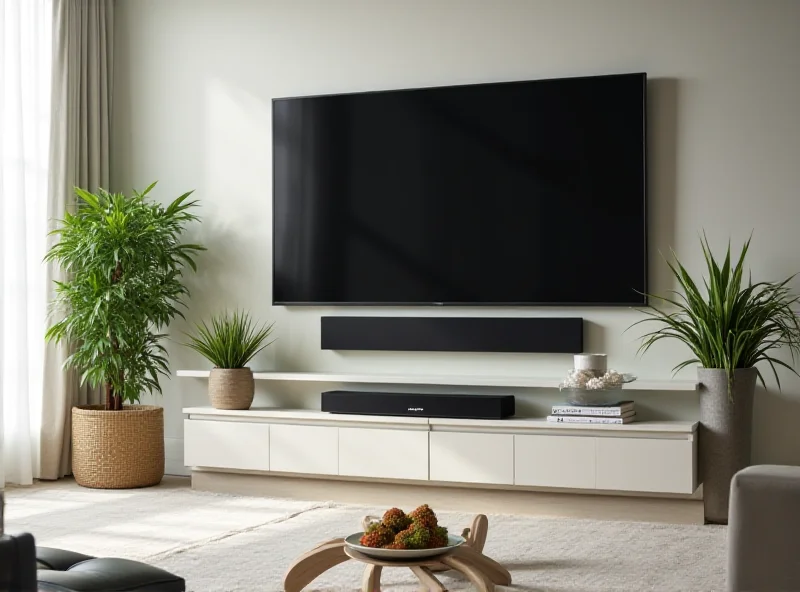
x=613, y=379
x=577, y=379
x=595, y=384
x=586, y=379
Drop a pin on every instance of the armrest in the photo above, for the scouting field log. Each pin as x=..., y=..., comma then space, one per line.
x=764, y=529
x=18, y=563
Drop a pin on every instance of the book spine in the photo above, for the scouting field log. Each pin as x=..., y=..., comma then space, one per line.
x=570, y=410
x=583, y=419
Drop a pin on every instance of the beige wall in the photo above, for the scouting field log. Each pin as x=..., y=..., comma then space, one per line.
x=194, y=80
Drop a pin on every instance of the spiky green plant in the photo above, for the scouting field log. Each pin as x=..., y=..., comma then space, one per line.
x=125, y=262
x=733, y=323
x=231, y=341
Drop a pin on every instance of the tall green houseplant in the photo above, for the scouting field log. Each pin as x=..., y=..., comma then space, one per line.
x=126, y=262
x=730, y=325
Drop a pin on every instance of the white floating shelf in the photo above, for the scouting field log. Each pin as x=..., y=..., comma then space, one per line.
x=444, y=380
x=518, y=424
x=309, y=416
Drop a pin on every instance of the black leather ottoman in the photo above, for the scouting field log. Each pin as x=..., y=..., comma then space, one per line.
x=66, y=571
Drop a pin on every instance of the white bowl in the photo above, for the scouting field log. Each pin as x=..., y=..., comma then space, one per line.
x=352, y=542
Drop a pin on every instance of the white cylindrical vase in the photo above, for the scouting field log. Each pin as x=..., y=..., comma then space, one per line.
x=596, y=362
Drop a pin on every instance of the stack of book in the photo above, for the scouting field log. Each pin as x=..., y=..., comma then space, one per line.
x=621, y=412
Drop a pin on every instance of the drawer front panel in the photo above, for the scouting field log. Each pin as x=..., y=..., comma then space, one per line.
x=554, y=461
x=304, y=449
x=472, y=458
x=383, y=453
x=660, y=466
x=226, y=444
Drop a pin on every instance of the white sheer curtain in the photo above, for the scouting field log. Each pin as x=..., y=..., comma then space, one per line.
x=25, y=79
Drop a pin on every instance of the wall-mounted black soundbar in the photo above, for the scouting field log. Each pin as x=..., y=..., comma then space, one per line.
x=454, y=334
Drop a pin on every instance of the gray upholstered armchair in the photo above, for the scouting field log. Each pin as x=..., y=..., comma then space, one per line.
x=764, y=530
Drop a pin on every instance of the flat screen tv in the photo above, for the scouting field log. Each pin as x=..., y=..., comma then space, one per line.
x=513, y=193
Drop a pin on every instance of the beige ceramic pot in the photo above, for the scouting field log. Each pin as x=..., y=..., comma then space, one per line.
x=231, y=388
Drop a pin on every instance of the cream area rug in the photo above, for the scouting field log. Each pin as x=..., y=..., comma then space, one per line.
x=225, y=543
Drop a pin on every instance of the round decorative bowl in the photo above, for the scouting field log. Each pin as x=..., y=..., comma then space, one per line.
x=592, y=397
x=453, y=541
x=607, y=396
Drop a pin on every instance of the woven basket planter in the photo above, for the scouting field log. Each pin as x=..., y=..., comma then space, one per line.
x=231, y=388
x=118, y=449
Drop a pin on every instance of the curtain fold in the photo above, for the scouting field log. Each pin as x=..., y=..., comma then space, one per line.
x=25, y=54
x=79, y=157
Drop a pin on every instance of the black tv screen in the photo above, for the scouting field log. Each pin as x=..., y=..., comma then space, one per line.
x=516, y=193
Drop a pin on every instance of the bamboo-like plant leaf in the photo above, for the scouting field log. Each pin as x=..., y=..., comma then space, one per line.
x=126, y=263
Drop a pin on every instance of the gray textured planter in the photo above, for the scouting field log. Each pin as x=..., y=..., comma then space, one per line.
x=726, y=429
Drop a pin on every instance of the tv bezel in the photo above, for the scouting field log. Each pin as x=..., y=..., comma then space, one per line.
x=641, y=302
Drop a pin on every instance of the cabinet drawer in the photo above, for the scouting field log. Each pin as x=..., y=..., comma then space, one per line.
x=383, y=453
x=472, y=458
x=226, y=444
x=554, y=461
x=304, y=449
x=638, y=464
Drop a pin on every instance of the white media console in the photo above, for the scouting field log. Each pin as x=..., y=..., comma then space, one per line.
x=645, y=457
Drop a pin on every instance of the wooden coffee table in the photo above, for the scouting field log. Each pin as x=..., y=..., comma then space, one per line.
x=468, y=559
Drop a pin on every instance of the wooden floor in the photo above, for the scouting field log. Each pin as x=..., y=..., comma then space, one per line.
x=488, y=501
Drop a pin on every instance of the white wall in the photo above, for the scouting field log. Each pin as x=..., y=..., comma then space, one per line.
x=194, y=80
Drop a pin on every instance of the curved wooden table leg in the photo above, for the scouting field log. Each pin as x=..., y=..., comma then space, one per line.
x=372, y=579
x=486, y=565
x=478, y=533
x=481, y=582
x=306, y=568
x=329, y=542
x=476, y=539
x=427, y=579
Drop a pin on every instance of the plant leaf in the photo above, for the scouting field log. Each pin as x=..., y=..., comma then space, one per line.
x=231, y=341
x=733, y=323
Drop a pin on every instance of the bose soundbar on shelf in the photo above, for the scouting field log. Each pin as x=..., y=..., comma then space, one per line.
x=420, y=405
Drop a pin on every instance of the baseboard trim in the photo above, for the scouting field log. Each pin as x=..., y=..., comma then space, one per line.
x=446, y=497
x=174, y=467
